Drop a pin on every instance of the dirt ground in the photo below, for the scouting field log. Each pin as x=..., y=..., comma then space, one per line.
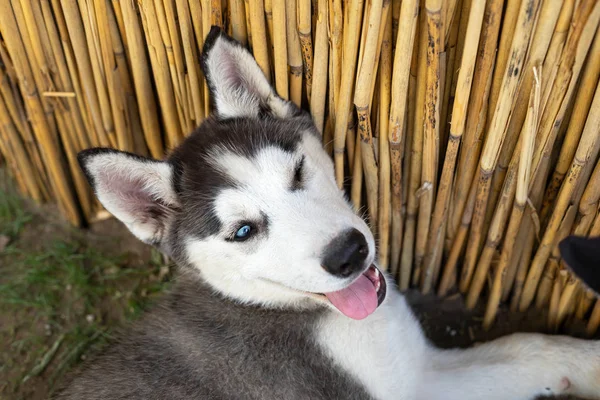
x=445, y=321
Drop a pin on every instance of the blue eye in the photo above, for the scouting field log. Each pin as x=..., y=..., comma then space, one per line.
x=243, y=233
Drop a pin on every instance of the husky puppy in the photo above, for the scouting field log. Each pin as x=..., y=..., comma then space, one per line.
x=279, y=296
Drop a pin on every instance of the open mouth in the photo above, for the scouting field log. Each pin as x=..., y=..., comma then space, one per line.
x=362, y=297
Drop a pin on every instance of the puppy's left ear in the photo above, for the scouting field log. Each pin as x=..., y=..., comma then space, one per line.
x=238, y=86
x=582, y=256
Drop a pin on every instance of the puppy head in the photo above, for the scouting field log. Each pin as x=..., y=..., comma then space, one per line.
x=249, y=200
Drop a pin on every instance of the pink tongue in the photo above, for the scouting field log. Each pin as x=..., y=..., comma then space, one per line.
x=357, y=301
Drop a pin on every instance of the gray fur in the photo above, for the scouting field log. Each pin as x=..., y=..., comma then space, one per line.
x=198, y=345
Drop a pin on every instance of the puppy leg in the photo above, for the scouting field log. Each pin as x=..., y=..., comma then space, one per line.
x=515, y=367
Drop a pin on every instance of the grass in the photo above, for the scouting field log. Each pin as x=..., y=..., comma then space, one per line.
x=60, y=298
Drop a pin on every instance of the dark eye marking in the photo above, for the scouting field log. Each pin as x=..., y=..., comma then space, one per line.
x=298, y=178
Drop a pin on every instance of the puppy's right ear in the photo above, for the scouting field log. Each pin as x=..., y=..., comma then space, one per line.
x=136, y=190
x=582, y=256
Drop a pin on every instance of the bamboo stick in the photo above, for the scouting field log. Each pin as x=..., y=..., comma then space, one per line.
x=496, y=134
x=161, y=74
x=416, y=154
x=385, y=198
x=259, y=36
x=594, y=322
x=362, y=99
x=512, y=12
x=582, y=157
x=280, y=48
x=477, y=113
x=294, y=53
x=237, y=15
x=141, y=80
x=581, y=109
x=321, y=64
x=550, y=275
x=405, y=42
x=458, y=245
x=343, y=104
x=442, y=202
x=305, y=35
x=548, y=16
x=524, y=156
x=431, y=130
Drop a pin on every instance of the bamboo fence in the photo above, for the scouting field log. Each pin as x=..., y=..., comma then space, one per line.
x=468, y=131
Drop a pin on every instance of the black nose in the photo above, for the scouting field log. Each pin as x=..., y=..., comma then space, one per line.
x=346, y=253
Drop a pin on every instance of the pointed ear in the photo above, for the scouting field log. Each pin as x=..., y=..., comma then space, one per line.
x=237, y=85
x=136, y=190
x=582, y=256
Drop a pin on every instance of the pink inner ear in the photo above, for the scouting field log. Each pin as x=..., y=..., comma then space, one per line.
x=130, y=196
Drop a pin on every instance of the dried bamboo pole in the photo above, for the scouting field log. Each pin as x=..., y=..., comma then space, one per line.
x=581, y=108
x=548, y=135
x=506, y=197
x=294, y=53
x=16, y=109
x=594, y=321
x=512, y=11
x=280, y=48
x=62, y=71
x=416, y=157
x=191, y=54
x=521, y=257
x=259, y=35
x=458, y=245
x=161, y=74
x=174, y=62
x=522, y=188
x=405, y=42
x=496, y=134
x=41, y=127
x=305, y=34
x=431, y=130
x=141, y=79
x=321, y=65
x=92, y=119
x=237, y=16
x=269, y=18
x=586, y=301
x=22, y=165
x=114, y=88
x=216, y=13
x=477, y=113
x=548, y=16
x=362, y=100
x=551, y=274
x=385, y=198
x=343, y=104
x=450, y=75
x=459, y=112
x=92, y=43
